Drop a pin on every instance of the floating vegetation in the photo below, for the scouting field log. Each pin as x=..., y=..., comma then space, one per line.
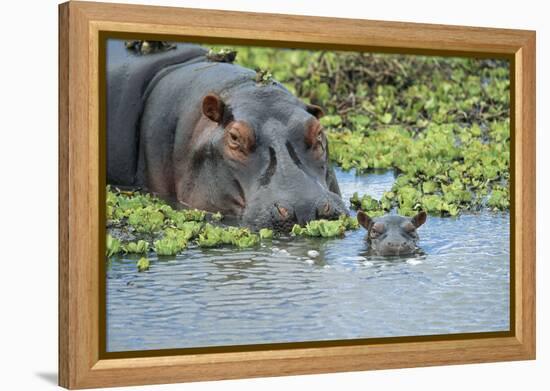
x=169, y=246
x=266, y=233
x=113, y=246
x=212, y=236
x=146, y=219
x=443, y=170
x=326, y=228
x=134, y=215
x=217, y=216
x=143, y=264
x=139, y=247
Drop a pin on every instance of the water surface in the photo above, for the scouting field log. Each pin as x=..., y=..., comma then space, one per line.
x=277, y=293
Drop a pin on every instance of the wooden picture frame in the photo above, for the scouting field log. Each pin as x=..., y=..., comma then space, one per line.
x=82, y=27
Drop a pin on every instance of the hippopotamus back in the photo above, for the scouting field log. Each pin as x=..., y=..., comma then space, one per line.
x=129, y=78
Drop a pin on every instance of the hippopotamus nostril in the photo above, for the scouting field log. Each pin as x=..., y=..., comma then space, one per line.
x=327, y=211
x=282, y=219
x=283, y=212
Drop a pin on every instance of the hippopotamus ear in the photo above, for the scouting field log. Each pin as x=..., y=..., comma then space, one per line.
x=315, y=110
x=419, y=219
x=364, y=219
x=213, y=107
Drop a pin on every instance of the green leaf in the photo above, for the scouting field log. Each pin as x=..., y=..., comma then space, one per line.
x=113, y=246
x=169, y=246
x=329, y=229
x=266, y=233
x=217, y=216
x=429, y=187
x=139, y=247
x=331, y=121
x=247, y=241
x=386, y=118
x=297, y=230
x=143, y=264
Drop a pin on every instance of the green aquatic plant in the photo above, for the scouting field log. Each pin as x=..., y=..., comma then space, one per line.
x=210, y=236
x=143, y=264
x=171, y=230
x=146, y=219
x=430, y=167
x=180, y=217
x=499, y=198
x=266, y=233
x=349, y=222
x=169, y=246
x=367, y=204
x=175, y=240
x=213, y=236
x=113, y=246
x=188, y=230
x=297, y=230
x=326, y=228
x=139, y=247
x=245, y=241
x=217, y=216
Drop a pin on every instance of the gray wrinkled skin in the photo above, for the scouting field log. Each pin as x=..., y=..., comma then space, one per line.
x=392, y=235
x=164, y=137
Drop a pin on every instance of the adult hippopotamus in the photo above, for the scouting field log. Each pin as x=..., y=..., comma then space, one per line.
x=213, y=136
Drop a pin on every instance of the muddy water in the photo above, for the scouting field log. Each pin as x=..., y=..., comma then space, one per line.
x=277, y=293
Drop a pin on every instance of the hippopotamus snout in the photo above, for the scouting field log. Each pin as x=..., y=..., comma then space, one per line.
x=283, y=215
x=393, y=246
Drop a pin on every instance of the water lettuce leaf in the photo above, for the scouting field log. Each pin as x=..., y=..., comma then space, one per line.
x=113, y=246
x=266, y=233
x=143, y=264
x=139, y=247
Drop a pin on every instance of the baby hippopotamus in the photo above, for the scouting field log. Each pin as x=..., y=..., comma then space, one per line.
x=391, y=235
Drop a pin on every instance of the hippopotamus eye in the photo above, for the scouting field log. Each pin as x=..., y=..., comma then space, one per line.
x=319, y=138
x=377, y=229
x=314, y=138
x=234, y=139
x=409, y=227
x=239, y=138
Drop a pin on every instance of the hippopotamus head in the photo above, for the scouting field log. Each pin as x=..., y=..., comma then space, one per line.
x=392, y=235
x=261, y=154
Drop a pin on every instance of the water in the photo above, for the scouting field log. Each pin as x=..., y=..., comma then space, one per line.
x=277, y=293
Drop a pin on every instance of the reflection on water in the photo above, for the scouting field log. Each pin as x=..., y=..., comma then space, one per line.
x=277, y=293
